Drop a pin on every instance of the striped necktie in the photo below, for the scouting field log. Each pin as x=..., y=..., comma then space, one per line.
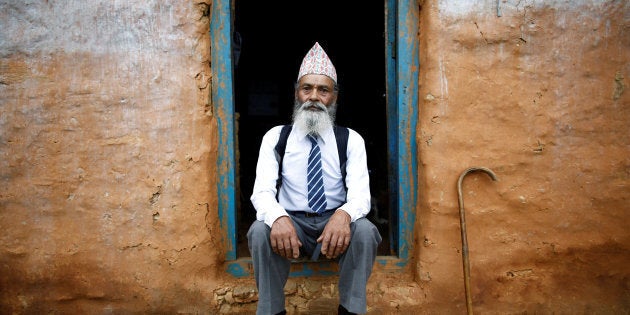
x=315, y=179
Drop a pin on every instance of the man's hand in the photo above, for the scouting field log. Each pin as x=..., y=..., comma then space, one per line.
x=284, y=239
x=336, y=236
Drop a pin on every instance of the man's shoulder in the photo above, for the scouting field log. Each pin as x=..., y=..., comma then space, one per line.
x=345, y=127
x=351, y=132
x=275, y=130
x=272, y=135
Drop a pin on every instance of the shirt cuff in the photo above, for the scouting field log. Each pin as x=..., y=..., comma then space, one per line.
x=273, y=215
x=354, y=213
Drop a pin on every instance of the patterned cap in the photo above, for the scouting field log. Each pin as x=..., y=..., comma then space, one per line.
x=317, y=62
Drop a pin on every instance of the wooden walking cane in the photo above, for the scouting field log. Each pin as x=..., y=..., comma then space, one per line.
x=462, y=222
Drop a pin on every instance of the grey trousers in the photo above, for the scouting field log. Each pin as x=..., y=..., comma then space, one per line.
x=272, y=271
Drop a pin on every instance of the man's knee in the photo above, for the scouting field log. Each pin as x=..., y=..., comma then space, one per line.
x=366, y=232
x=258, y=232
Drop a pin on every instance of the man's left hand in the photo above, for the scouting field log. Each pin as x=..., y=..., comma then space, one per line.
x=335, y=238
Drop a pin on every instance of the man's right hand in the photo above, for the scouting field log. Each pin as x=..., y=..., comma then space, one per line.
x=284, y=239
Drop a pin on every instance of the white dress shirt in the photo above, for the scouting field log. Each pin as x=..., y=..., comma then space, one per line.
x=293, y=191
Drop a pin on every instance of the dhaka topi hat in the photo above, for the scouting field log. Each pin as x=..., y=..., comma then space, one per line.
x=316, y=61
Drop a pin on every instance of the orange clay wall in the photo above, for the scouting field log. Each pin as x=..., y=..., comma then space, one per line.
x=108, y=151
x=537, y=91
x=108, y=146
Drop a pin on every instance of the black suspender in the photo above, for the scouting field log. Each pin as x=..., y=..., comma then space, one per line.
x=341, y=136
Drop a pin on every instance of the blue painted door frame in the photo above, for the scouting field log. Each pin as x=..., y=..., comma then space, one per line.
x=402, y=66
x=223, y=104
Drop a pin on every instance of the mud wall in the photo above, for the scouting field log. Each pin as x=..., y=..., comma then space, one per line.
x=109, y=148
x=537, y=91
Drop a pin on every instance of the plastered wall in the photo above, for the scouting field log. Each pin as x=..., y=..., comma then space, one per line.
x=108, y=150
x=538, y=92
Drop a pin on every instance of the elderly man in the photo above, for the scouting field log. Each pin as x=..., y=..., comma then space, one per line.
x=312, y=194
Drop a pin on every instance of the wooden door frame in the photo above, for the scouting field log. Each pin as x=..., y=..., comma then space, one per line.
x=402, y=68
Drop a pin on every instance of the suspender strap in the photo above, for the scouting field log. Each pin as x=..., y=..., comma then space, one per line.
x=341, y=136
x=280, y=148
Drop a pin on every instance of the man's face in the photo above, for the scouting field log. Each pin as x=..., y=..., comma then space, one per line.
x=316, y=88
x=315, y=104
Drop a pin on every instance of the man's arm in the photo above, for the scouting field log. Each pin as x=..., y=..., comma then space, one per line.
x=263, y=196
x=357, y=178
x=283, y=237
x=336, y=236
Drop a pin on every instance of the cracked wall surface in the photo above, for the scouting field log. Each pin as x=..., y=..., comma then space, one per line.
x=108, y=146
x=107, y=140
x=533, y=90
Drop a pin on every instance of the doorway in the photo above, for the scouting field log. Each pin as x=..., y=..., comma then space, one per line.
x=268, y=48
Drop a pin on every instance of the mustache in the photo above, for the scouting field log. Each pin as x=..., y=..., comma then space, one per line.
x=313, y=105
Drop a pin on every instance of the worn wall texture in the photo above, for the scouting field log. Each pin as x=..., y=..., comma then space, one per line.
x=108, y=151
x=540, y=96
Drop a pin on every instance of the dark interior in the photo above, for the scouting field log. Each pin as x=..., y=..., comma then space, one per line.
x=270, y=40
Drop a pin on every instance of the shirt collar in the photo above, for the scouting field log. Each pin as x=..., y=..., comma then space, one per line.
x=326, y=136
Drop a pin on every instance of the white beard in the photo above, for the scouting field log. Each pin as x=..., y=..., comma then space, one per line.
x=313, y=121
